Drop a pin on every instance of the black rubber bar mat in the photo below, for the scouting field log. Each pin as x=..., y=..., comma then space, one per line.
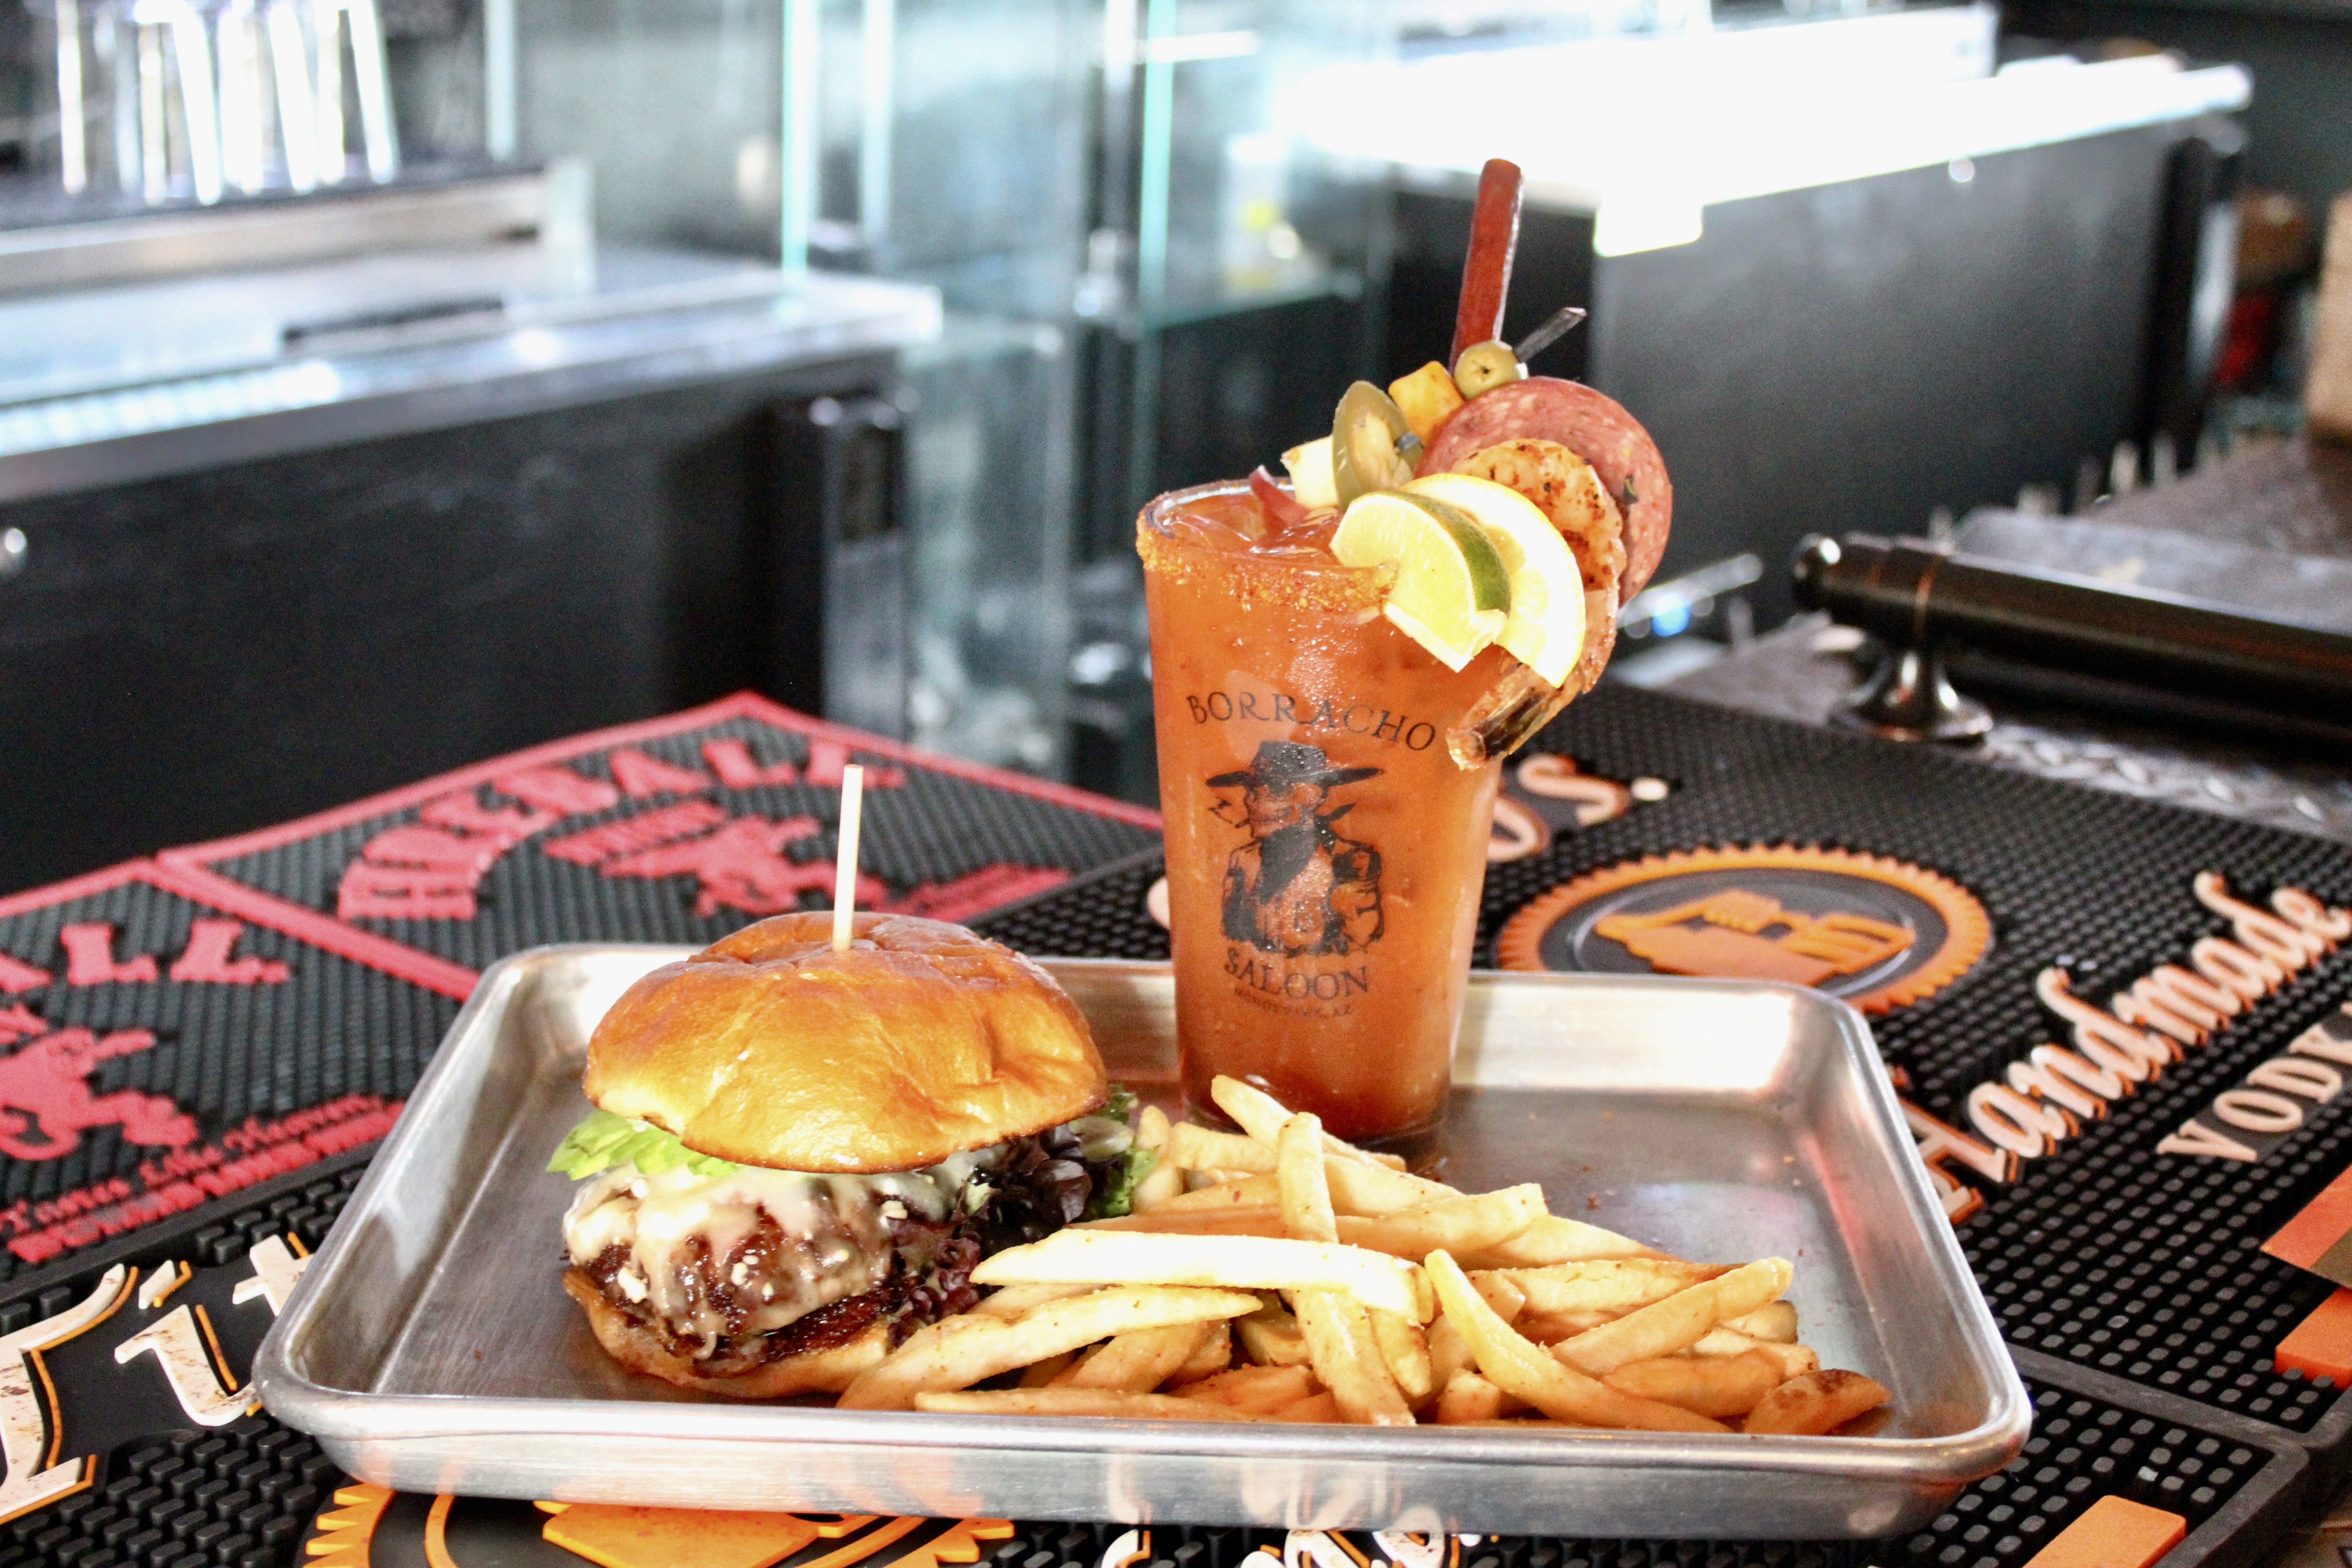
x=147, y=1452
x=2106, y=1250
x=167, y=1051
x=676, y=830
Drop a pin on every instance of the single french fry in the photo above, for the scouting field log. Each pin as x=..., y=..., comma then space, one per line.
x=1425, y=1298
x=1262, y=1116
x=1550, y=1328
x=1449, y=1352
x=1794, y=1361
x=1526, y=1370
x=1160, y=1184
x=1497, y=1292
x=1348, y=1359
x=1224, y=1219
x=1110, y=1402
x=1467, y=1397
x=1306, y=1192
x=1775, y=1321
x=967, y=1349
x=1257, y=1389
x=1234, y=1262
x=1607, y=1286
x=1199, y=1149
x=1141, y=1360
x=1405, y=1348
x=1359, y=1188
x=1725, y=1387
x=1015, y=1300
x=1817, y=1403
x=1049, y=1371
x=1251, y=1192
x=1270, y=1336
x=1164, y=1180
x=1356, y=1187
x=1449, y=1224
x=1552, y=1239
x=1682, y=1320
x=1214, y=1355
x=1319, y=1408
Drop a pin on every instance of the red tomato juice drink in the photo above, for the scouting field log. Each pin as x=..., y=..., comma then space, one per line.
x=1325, y=851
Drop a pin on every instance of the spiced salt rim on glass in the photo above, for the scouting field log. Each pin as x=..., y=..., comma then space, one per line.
x=1325, y=851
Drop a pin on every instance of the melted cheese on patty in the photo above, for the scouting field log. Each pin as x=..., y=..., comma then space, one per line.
x=836, y=1235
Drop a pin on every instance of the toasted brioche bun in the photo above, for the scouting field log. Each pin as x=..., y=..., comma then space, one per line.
x=921, y=1041
x=827, y=1370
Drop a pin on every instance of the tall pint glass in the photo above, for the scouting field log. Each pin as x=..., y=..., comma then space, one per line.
x=1325, y=852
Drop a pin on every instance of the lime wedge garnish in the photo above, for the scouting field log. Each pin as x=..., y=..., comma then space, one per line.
x=1546, y=631
x=1452, y=594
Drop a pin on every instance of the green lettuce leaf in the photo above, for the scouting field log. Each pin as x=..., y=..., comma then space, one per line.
x=602, y=1140
x=1115, y=1192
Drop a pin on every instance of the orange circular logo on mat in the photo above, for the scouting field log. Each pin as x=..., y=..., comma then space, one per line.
x=1879, y=932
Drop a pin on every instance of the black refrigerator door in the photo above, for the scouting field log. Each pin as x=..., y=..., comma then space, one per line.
x=188, y=657
x=840, y=587
x=2196, y=273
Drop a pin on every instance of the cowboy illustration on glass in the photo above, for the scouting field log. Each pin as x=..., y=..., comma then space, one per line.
x=1325, y=850
x=1297, y=887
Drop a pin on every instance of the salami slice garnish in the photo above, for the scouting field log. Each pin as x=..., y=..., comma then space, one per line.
x=1595, y=428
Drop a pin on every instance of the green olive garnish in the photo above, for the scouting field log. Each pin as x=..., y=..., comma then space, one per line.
x=1486, y=367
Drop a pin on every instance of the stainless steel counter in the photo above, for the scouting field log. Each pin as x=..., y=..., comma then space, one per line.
x=107, y=385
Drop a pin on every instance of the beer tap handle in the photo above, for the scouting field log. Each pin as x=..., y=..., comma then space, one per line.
x=371, y=80
x=289, y=65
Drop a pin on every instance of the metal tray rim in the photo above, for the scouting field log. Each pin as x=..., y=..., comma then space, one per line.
x=1961, y=1458
x=360, y=1416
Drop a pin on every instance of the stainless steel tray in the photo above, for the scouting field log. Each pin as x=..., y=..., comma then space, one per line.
x=429, y=1347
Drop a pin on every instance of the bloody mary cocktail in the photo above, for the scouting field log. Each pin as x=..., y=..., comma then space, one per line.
x=1325, y=851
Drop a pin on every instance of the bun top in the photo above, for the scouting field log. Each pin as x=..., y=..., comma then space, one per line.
x=770, y=1049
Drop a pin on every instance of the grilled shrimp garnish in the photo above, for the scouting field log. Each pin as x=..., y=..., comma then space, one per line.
x=1566, y=488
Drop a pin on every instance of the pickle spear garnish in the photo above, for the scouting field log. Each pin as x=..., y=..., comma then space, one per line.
x=1365, y=433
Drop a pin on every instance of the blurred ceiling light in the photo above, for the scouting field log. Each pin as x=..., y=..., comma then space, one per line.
x=1659, y=128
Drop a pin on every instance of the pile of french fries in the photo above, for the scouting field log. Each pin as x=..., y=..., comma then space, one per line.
x=1282, y=1274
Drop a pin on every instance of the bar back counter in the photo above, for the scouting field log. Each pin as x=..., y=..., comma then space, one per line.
x=279, y=535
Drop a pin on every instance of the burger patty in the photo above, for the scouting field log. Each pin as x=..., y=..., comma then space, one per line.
x=732, y=1273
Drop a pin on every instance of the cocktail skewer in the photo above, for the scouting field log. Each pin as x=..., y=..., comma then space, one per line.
x=1561, y=322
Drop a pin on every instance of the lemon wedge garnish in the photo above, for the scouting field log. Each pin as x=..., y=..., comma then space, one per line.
x=1546, y=630
x=1452, y=592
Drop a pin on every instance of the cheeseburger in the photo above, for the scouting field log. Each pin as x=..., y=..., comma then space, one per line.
x=800, y=1155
